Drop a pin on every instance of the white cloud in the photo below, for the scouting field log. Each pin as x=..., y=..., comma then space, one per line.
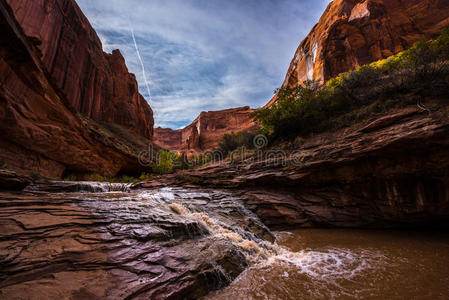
x=205, y=54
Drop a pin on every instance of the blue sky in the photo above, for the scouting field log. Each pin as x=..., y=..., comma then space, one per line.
x=202, y=55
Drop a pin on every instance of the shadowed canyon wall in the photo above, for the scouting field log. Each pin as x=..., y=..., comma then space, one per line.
x=52, y=69
x=95, y=83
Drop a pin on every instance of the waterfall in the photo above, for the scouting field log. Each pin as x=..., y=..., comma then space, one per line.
x=254, y=248
x=79, y=186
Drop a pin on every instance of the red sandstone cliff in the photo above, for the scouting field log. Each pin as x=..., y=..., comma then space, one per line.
x=51, y=68
x=95, y=83
x=206, y=131
x=354, y=32
x=351, y=33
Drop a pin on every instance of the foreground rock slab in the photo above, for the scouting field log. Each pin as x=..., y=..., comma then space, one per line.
x=163, y=244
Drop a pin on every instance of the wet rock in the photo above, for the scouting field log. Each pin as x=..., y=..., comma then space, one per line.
x=10, y=180
x=391, y=171
x=277, y=210
x=78, y=186
x=124, y=245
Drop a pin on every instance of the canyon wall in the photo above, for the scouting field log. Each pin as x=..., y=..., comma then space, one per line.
x=96, y=84
x=351, y=33
x=388, y=171
x=52, y=68
x=205, y=132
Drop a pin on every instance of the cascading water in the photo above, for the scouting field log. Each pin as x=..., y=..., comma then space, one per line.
x=190, y=242
x=80, y=186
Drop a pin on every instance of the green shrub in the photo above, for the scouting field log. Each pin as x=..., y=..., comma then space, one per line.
x=166, y=162
x=410, y=76
x=112, y=179
x=96, y=177
x=71, y=177
x=145, y=176
x=233, y=141
x=127, y=179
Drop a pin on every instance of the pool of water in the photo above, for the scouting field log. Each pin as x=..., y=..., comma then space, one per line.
x=349, y=264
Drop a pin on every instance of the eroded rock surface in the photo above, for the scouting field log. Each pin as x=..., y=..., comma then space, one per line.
x=10, y=180
x=391, y=171
x=41, y=131
x=168, y=243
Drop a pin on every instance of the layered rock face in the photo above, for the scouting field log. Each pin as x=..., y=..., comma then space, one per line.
x=351, y=33
x=174, y=244
x=206, y=131
x=95, y=83
x=390, y=171
x=41, y=131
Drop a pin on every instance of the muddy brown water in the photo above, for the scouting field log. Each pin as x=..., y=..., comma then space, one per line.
x=349, y=264
x=186, y=232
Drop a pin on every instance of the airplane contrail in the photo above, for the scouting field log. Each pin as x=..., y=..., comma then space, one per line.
x=141, y=64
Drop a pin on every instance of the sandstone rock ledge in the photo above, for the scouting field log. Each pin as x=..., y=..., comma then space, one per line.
x=120, y=245
x=391, y=171
x=11, y=181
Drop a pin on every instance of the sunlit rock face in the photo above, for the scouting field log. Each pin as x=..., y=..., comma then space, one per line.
x=351, y=33
x=205, y=132
x=95, y=83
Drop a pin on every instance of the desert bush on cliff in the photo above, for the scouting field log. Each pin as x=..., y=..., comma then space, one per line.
x=232, y=141
x=406, y=78
x=110, y=179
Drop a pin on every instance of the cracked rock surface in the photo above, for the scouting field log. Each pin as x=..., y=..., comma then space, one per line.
x=170, y=243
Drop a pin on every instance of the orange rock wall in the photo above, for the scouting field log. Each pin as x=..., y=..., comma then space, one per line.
x=206, y=131
x=95, y=83
x=351, y=33
x=41, y=93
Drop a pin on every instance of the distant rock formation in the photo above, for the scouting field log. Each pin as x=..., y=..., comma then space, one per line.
x=206, y=130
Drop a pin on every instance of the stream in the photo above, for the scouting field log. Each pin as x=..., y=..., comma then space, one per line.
x=111, y=241
x=349, y=264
